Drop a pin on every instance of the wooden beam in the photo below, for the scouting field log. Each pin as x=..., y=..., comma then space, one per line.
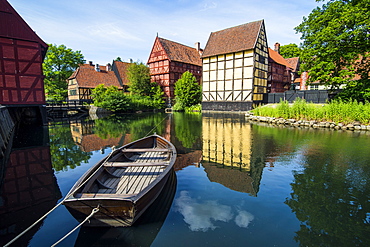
x=143, y=150
x=133, y=164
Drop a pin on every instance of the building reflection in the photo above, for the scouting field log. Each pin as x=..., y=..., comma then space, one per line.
x=230, y=156
x=83, y=135
x=29, y=188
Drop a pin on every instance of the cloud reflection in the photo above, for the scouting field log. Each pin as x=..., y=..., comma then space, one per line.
x=203, y=216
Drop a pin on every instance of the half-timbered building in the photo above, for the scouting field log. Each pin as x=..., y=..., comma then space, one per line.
x=280, y=74
x=21, y=55
x=89, y=76
x=235, y=66
x=168, y=60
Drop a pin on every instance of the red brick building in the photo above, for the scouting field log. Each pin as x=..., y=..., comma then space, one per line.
x=168, y=60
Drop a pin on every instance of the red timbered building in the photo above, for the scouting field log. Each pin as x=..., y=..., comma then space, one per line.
x=88, y=76
x=168, y=60
x=21, y=55
x=282, y=73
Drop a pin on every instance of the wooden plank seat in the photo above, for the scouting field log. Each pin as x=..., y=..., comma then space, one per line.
x=134, y=164
x=144, y=150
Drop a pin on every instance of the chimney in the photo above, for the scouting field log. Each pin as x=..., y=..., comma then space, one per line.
x=277, y=47
x=197, y=46
x=109, y=67
x=97, y=68
x=91, y=63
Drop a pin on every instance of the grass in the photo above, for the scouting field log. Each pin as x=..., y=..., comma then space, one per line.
x=336, y=111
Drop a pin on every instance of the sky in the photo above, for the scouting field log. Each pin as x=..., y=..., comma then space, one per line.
x=106, y=29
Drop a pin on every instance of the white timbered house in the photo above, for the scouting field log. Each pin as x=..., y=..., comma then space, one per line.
x=235, y=67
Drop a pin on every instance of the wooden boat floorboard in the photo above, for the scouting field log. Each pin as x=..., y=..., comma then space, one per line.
x=132, y=177
x=124, y=184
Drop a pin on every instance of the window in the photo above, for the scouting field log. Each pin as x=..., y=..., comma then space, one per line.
x=314, y=87
x=73, y=92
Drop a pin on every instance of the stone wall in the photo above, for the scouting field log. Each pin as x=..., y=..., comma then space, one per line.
x=355, y=126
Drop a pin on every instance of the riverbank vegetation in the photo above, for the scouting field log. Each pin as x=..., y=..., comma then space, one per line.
x=336, y=111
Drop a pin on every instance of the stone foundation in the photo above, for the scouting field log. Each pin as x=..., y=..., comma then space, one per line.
x=355, y=126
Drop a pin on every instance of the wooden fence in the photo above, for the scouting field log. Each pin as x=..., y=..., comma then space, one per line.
x=313, y=96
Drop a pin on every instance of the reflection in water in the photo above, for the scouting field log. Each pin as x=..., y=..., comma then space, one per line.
x=142, y=233
x=229, y=142
x=331, y=193
x=29, y=188
x=203, y=216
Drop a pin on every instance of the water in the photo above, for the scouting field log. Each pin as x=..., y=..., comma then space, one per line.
x=235, y=184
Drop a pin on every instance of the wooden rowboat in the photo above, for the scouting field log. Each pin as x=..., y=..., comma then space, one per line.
x=124, y=184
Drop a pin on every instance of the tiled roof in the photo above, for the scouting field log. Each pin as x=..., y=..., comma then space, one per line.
x=293, y=63
x=234, y=39
x=181, y=53
x=277, y=58
x=88, y=77
x=122, y=70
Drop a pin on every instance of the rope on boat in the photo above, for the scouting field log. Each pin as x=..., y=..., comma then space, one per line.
x=60, y=203
x=94, y=211
x=156, y=125
x=31, y=226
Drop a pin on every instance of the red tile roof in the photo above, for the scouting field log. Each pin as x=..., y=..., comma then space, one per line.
x=234, y=39
x=122, y=71
x=87, y=77
x=293, y=63
x=181, y=53
x=277, y=58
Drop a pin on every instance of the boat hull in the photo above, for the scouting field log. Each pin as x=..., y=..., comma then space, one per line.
x=112, y=184
x=113, y=212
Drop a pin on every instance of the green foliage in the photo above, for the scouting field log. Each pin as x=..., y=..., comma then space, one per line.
x=115, y=101
x=291, y=50
x=187, y=128
x=139, y=103
x=336, y=111
x=336, y=42
x=64, y=152
x=139, y=79
x=59, y=64
x=187, y=91
x=194, y=108
x=110, y=98
x=356, y=89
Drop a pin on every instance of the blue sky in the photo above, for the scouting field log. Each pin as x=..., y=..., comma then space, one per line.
x=106, y=29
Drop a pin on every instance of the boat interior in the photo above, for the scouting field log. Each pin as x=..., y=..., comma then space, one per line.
x=128, y=170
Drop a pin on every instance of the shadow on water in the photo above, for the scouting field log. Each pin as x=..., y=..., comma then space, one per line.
x=29, y=188
x=142, y=233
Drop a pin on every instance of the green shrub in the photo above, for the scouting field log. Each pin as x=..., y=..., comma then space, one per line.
x=336, y=111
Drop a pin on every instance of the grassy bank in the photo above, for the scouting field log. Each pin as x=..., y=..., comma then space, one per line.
x=336, y=111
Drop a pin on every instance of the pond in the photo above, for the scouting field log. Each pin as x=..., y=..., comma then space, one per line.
x=236, y=183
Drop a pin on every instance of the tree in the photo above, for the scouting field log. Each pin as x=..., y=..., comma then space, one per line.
x=139, y=79
x=187, y=91
x=291, y=50
x=59, y=64
x=110, y=98
x=336, y=43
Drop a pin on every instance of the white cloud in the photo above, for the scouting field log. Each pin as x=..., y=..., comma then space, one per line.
x=204, y=216
x=243, y=219
x=103, y=30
